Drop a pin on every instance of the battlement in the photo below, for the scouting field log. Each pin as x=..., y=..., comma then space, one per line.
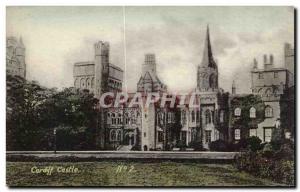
x=101, y=48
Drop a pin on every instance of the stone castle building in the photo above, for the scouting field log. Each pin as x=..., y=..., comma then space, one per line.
x=15, y=57
x=99, y=75
x=155, y=128
x=270, y=84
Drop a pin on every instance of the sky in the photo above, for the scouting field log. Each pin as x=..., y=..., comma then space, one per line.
x=57, y=37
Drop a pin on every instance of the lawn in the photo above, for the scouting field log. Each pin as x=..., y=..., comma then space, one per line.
x=126, y=173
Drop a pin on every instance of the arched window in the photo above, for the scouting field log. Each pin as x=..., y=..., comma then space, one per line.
x=88, y=82
x=198, y=116
x=193, y=116
x=212, y=81
x=237, y=134
x=221, y=116
x=82, y=83
x=252, y=112
x=119, y=135
x=268, y=111
x=92, y=82
x=113, y=135
x=194, y=134
x=119, y=118
x=268, y=92
x=113, y=119
x=207, y=117
x=237, y=111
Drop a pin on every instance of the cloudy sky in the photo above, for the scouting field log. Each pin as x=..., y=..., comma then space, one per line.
x=57, y=37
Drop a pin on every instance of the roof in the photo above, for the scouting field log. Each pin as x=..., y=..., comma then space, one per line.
x=269, y=70
x=207, y=59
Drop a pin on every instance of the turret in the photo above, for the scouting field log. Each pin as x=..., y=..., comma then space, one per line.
x=149, y=64
x=268, y=64
x=101, y=67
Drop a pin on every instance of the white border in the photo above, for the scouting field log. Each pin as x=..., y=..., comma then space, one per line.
x=5, y=3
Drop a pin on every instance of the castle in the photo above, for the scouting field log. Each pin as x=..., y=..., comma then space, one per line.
x=15, y=57
x=160, y=128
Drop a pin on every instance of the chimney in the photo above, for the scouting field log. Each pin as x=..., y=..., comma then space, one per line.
x=254, y=63
x=271, y=59
x=265, y=59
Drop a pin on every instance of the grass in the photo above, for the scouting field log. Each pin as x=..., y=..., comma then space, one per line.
x=127, y=173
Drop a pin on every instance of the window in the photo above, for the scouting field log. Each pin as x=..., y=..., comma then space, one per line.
x=221, y=116
x=252, y=112
x=198, y=116
x=237, y=134
x=145, y=134
x=237, y=112
x=119, y=119
x=260, y=75
x=207, y=117
x=268, y=92
x=113, y=119
x=119, y=135
x=275, y=74
x=252, y=132
x=267, y=134
x=160, y=136
x=207, y=136
x=194, y=134
x=193, y=116
x=268, y=111
x=169, y=117
x=112, y=135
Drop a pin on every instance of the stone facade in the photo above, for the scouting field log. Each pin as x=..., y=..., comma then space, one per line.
x=161, y=128
x=98, y=76
x=15, y=57
x=270, y=84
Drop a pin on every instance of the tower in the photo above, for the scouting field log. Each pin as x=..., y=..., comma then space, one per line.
x=101, y=67
x=20, y=54
x=149, y=81
x=207, y=74
x=289, y=58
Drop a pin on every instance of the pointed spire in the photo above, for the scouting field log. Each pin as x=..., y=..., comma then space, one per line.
x=207, y=59
x=233, y=87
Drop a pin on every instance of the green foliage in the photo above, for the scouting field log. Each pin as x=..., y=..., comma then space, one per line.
x=269, y=163
x=254, y=143
x=218, y=145
x=196, y=145
x=33, y=112
x=245, y=103
x=180, y=144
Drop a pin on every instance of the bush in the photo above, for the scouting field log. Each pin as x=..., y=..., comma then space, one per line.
x=277, y=165
x=218, y=145
x=181, y=145
x=136, y=148
x=254, y=143
x=196, y=145
x=268, y=150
